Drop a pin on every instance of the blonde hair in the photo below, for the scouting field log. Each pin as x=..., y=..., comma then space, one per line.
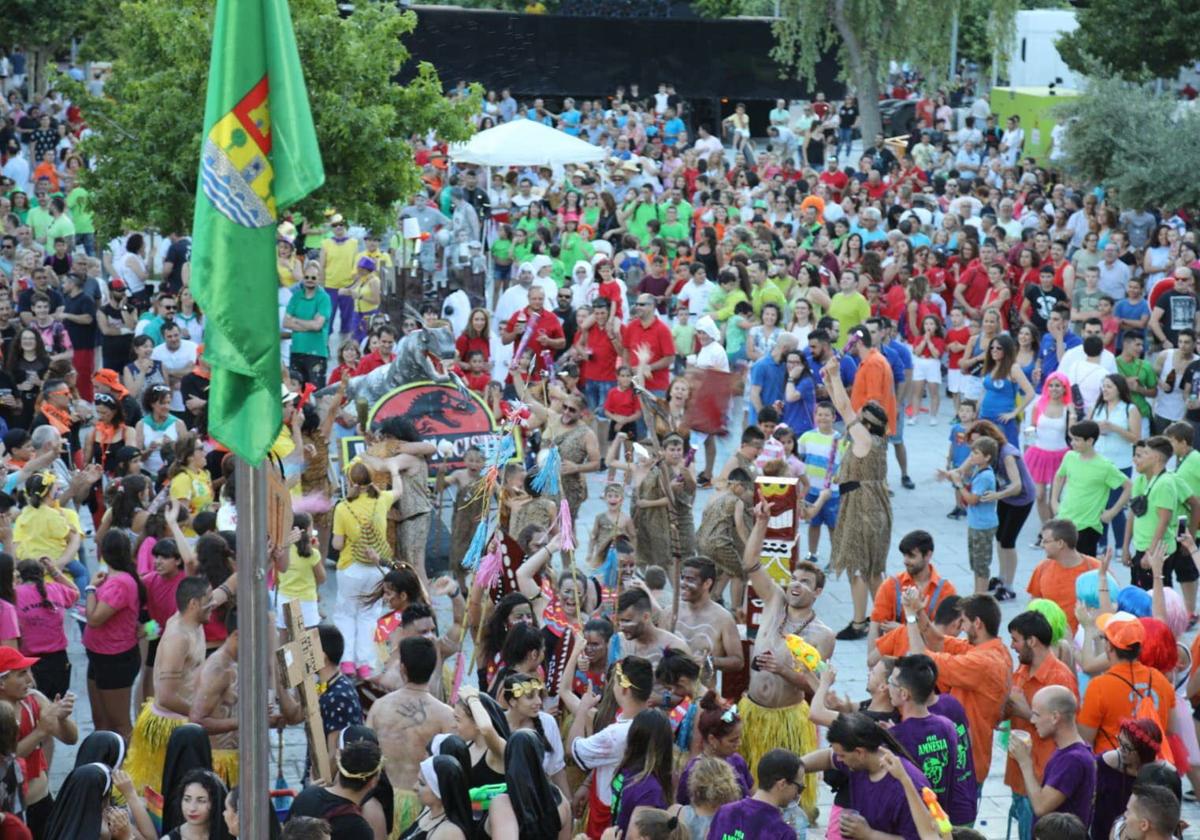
x=712, y=784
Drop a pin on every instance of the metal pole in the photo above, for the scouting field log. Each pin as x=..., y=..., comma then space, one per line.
x=254, y=656
x=953, y=44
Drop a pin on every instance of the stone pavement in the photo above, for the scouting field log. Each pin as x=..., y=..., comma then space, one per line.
x=924, y=507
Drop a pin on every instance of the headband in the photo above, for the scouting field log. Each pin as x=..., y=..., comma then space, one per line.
x=525, y=688
x=430, y=776
x=366, y=774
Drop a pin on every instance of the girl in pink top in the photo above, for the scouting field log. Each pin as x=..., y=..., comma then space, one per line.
x=41, y=610
x=10, y=629
x=115, y=600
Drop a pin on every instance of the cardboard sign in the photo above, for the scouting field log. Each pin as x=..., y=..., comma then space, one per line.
x=299, y=660
x=279, y=507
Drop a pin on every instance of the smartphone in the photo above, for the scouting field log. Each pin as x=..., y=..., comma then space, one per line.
x=1182, y=527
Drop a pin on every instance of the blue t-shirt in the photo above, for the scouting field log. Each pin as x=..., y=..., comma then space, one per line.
x=671, y=131
x=848, y=367
x=982, y=515
x=570, y=122
x=1048, y=352
x=960, y=448
x=899, y=357
x=1132, y=311
x=799, y=414
x=771, y=377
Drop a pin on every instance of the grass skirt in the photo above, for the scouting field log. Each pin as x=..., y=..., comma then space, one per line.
x=766, y=729
x=407, y=809
x=148, y=746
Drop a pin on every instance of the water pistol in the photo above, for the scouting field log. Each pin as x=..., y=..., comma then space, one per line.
x=481, y=797
x=935, y=810
x=804, y=654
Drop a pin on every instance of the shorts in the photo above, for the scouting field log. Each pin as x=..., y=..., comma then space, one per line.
x=1012, y=519
x=900, y=424
x=971, y=388
x=596, y=392
x=1179, y=566
x=630, y=430
x=979, y=550
x=309, y=612
x=52, y=673
x=114, y=671
x=152, y=651
x=501, y=272
x=954, y=380
x=829, y=511
x=927, y=370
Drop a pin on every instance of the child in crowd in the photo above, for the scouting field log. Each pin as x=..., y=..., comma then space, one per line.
x=959, y=449
x=927, y=367
x=957, y=339
x=304, y=574
x=820, y=449
x=978, y=479
x=1110, y=324
x=609, y=524
x=623, y=409
x=475, y=372
x=684, y=334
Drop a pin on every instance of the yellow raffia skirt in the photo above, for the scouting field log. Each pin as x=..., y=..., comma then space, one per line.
x=148, y=746
x=766, y=729
x=407, y=809
x=225, y=765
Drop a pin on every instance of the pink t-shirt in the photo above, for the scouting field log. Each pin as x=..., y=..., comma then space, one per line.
x=10, y=627
x=41, y=625
x=119, y=633
x=145, y=557
x=160, y=596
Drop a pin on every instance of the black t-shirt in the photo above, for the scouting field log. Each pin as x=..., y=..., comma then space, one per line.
x=59, y=265
x=117, y=349
x=1179, y=313
x=82, y=336
x=316, y=801
x=847, y=115
x=1190, y=387
x=7, y=334
x=25, y=299
x=194, y=385
x=177, y=254
x=1042, y=303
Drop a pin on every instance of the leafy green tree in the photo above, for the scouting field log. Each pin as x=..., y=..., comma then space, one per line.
x=1136, y=41
x=147, y=125
x=1139, y=146
x=46, y=29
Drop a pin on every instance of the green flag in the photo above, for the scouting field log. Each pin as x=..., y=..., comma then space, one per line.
x=259, y=155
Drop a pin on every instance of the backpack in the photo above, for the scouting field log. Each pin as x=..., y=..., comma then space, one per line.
x=1145, y=708
x=369, y=538
x=933, y=601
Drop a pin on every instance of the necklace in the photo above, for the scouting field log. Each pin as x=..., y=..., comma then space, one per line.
x=799, y=631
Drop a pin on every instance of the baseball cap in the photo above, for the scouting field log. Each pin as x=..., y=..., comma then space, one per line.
x=116, y=285
x=1122, y=629
x=12, y=660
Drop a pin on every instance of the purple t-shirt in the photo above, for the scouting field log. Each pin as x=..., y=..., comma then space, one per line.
x=749, y=818
x=741, y=772
x=1072, y=772
x=964, y=804
x=629, y=794
x=882, y=803
x=933, y=743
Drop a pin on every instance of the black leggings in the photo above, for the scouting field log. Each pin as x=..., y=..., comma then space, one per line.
x=1012, y=519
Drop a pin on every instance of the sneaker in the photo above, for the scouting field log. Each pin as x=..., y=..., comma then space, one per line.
x=907, y=483
x=912, y=421
x=703, y=480
x=1003, y=593
x=852, y=632
x=79, y=613
x=994, y=584
x=811, y=558
x=954, y=514
x=932, y=420
x=1036, y=543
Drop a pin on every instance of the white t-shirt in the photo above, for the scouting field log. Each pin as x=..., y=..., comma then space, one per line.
x=184, y=356
x=603, y=752
x=712, y=357
x=1075, y=357
x=697, y=297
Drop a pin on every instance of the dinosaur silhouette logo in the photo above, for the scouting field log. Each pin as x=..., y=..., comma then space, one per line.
x=443, y=415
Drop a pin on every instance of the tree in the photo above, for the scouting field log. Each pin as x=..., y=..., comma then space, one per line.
x=147, y=125
x=1141, y=147
x=867, y=35
x=1134, y=41
x=46, y=28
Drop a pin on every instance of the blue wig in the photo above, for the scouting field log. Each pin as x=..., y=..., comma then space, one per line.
x=1087, y=587
x=1135, y=601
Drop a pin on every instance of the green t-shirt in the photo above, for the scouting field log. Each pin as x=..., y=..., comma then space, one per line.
x=685, y=338
x=683, y=208
x=1144, y=372
x=849, y=311
x=39, y=220
x=1188, y=476
x=311, y=342
x=1162, y=491
x=768, y=292
x=674, y=233
x=62, y=226
x=78, y=205
x=1088, y=483
x=502, y=251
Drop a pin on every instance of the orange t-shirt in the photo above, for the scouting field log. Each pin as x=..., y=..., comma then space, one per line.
x=979, y=676
x=1051, y=672
x=1109, y=699
x=1057, y=583
x=895, y=642
x=885, y=596
x=874, y=381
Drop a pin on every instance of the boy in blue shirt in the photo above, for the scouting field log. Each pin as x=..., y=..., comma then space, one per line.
x=982, y=517
x=959, y=449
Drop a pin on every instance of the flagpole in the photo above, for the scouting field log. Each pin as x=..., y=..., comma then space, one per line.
x=254, y=655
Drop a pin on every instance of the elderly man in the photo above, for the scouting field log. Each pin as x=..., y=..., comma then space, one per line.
x=647, y=340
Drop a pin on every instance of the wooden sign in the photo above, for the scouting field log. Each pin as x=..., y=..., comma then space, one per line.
x=279, y=507
x=299, y=661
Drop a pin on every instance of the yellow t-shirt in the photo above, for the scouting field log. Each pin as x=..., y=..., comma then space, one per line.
x=340, y=258
x=348, y=514
x=43, y=532
x=194, y=487
x=287, y=277
x=367, y=294
x=298, y=581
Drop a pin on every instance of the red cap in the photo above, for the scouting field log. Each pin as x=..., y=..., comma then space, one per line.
x=12, y=660
x=116, y=283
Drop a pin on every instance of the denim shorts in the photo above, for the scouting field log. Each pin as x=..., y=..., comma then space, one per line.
x=596, y=393
x=829, y=511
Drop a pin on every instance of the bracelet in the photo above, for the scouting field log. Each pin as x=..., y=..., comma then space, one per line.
x=753, y=568
x=88, y=589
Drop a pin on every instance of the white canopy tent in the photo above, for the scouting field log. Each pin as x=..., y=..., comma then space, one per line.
x=524, y=143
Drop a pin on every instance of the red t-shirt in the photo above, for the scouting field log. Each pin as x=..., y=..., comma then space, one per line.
x=611, y=291
x=622, y=402
x=600, y=364
x=962, y=335
x=657, y=337
x=836, y=181
x=975, y=283
x=370, y=362
x=934, y=352
x=892, y=303
x=477, y=382
x=547, y=324
x=465, y=345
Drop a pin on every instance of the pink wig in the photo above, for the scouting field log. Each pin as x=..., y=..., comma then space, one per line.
x=1158, y=651
x=1044, y=399
x=1177, y=615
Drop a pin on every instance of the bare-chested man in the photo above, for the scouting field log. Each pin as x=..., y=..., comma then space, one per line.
x=177, y=664
x=406, y=721
x=639, y=636
x=774, y=709
x=707, y=627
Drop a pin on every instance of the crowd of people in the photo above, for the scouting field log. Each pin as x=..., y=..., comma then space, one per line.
x=662, y=677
